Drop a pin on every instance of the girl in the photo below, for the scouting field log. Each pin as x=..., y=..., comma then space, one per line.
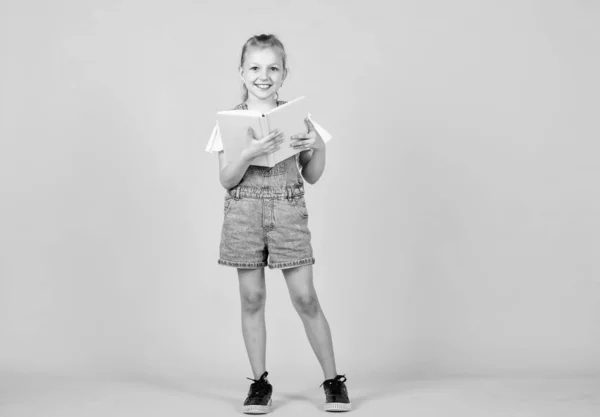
x=266, y=224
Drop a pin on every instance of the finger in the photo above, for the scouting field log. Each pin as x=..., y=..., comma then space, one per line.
x=274, y=133
x=269, y=139
x=251, y=132
x=302, y=139
x=309, y=124
x=274, y=143
x=276, y=139
x=301, y=136
x=275, y=136
x=302, y=145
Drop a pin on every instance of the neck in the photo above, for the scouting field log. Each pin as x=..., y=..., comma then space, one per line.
x=261, y=105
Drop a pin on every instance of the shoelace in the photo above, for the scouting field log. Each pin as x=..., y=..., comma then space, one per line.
x=333, y=384
x=259, y=387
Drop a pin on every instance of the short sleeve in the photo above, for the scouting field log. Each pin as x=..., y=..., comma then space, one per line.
x=214, y=142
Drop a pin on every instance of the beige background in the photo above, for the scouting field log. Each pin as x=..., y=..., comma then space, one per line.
x=456, y=227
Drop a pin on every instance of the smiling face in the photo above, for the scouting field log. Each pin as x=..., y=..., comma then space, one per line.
x=263, y=72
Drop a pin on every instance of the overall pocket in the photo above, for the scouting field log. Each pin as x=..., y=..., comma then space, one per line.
x=300, y=206
x=227, y=205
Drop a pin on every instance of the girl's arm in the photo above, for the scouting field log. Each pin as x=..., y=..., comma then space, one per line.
x=313, y=164
x=313, y=156
x=230, y=174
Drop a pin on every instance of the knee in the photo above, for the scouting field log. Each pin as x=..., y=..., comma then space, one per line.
x=307, y=305
x=253, y=302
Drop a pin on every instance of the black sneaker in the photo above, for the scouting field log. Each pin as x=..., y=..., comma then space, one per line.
x=258, y=400
x=336, y=394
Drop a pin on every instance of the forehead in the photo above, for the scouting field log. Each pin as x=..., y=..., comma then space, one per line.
x=266, y=56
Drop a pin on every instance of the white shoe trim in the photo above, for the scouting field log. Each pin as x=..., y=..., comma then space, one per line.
x=338, y=406
x=257, y=409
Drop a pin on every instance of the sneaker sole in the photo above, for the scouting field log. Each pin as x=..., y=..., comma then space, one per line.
x=257, y=409
x=337, y=407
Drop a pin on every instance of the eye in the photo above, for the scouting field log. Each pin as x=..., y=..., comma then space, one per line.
x=253, y=68
x=275, y=68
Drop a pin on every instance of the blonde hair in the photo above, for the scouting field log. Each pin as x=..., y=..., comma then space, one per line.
x=261, y=41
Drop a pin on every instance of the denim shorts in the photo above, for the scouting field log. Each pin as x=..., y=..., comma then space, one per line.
x=265, y=227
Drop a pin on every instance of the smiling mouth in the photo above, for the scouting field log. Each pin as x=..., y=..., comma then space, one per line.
x=263, y=86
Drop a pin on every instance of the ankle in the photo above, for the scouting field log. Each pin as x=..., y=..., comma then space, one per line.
x=330, y=375
x=258, y=375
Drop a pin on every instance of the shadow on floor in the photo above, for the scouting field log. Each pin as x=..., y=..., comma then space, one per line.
x=220, y=392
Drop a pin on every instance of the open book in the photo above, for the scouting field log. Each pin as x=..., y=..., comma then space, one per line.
x=288, y=118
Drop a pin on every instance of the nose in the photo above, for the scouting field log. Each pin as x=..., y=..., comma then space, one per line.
x=263, y=75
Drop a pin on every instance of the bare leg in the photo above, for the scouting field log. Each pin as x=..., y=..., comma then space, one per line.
x=305, y=301
x=253, y=296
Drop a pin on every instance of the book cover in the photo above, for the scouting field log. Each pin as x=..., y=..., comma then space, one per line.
x=288, y=118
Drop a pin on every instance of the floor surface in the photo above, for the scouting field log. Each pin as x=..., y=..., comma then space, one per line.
x=47, y=396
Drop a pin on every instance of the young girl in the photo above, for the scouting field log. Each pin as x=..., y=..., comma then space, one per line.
x=266, y=224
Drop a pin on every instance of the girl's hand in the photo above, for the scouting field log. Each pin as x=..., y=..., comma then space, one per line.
x=310, y=140
x=257, y=147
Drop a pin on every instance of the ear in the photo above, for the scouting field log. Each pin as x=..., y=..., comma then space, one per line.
x=241, y=73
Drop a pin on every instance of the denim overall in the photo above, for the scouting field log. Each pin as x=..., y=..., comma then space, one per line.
x=266, y=219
